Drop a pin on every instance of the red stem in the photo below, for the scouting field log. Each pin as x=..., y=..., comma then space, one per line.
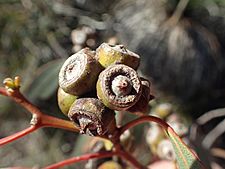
x=163, y=124
x=131, y=159
x=81, y=158
x=39, y=119
x=45, y=121
x=50, y=121
x=3, y=91
x=142, y=120
x=98, y=155
x=18, y=168
x=20, y=99
x=17, y=135
x=42, y=119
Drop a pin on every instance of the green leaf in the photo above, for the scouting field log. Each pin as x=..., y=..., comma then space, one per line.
x=46, y=81
x=186, y=159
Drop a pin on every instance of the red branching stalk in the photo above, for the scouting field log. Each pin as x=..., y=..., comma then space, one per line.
x=81, y=158
x=3, y=91
x=44, y=121
x=125, y=155
x=17, y=135
x=18, y=168
x=20, y=99
x=143, y=119
x=39, y=119
x=50, y=121
x=121, y=153
x=159, y=121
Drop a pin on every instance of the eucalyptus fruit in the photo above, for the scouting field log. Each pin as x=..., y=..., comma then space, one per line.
x=79, y=72
x=116, y=54
x=119, y=87
x=110, y=165
x=65, y=100
x=92, y=117
x=142, y=104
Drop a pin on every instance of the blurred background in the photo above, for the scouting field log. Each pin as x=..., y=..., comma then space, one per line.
x=181, y=44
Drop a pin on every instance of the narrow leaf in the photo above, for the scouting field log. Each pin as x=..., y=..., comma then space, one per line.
x=186, y=159
x=46, y=81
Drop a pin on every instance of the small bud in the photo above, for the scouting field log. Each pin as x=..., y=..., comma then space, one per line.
x=17, y=81
x=8, y=82
x=11, y=84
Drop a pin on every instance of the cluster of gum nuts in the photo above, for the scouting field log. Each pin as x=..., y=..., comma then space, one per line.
x=95, y=84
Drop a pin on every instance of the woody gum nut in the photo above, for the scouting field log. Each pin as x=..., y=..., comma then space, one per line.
x=92, y=117
x=65, y=100
x=142, y=104
x=116, y=54
x=79, y=73
x=119, y=87
x=110, y=165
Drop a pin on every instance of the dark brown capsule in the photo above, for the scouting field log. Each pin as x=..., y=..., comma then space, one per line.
x=92, y=117
x=142, y=105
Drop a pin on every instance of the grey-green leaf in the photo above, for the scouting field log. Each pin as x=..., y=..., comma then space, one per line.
x=46, y=81
x=186, y=159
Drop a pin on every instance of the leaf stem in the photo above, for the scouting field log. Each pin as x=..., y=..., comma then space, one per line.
x=169, y=130
x=143, y=119
x=50, y=121
x=125, y=155
x=39, y=118
x=18, y=135
x=20, y=99
x=81, y=158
